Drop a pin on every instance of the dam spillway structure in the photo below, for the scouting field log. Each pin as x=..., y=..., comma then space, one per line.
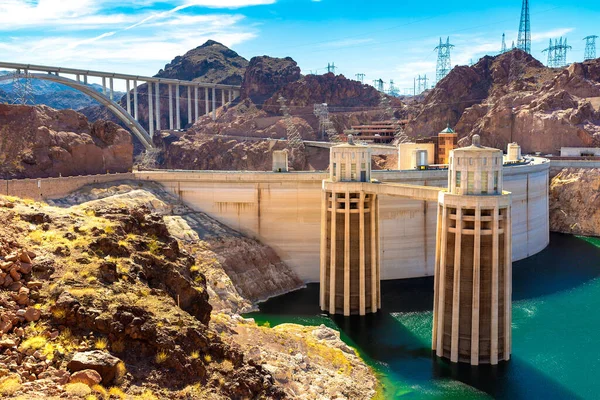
x=350, y=262
x=473, y=266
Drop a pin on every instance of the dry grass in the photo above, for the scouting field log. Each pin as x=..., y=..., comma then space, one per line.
x=117, y=392
x=161, y=357
x=35, y=343
x=9, y=385
x=101, y=344
x=78, y=389
x=147, y=395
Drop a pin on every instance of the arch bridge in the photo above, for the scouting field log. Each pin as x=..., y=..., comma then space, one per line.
x=129, y=114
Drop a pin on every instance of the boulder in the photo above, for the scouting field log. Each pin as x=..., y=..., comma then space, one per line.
x=88, y=376
x=104, y=363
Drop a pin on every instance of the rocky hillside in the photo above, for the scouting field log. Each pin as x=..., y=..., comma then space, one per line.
x=102, y=300
x=38, y=141
x=212, y=62
x=575, y=202
x=513, y=97
x=257, y=114
x=218, y=153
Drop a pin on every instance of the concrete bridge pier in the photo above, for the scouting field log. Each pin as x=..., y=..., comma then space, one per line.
x=350, y=263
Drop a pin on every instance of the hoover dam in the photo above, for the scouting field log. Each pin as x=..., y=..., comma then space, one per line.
x=283, y=210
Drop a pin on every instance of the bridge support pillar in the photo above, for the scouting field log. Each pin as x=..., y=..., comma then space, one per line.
x=214, y=104
x=230, y=93
x=222, y=97
x=206, y=105
x=195, y=103
x=171, y=107
x=189, y=104
x=177, y=108
x=350, y=261
x=112, y=92
x=157, y=101
x=150, y=110
x=135, y=100
x=128, y=94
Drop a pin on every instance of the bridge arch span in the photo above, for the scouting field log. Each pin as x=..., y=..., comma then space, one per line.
x=130, y=122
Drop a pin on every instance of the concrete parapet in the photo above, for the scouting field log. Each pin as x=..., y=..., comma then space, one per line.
x=52, y=188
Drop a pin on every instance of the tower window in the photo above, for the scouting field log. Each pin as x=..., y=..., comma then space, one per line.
x=334, y=170
x=496, y=181
x=470, y=182
x=353, y=172
x=458, y=179
x=484, y=182
x=342, y=171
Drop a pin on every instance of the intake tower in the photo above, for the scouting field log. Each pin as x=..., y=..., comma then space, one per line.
x=473, y=266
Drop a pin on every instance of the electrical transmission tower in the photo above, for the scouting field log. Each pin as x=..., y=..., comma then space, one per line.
x=378, y=83
x=503, y=48
x=326, y=128
x=557, y=53
x=524, y=39
x=331, y=68
x=392, y=90
x=22, y=89
x=360, y=78
x=420, y=84
x=590, y=47
x=293, y=136
x=443, y=61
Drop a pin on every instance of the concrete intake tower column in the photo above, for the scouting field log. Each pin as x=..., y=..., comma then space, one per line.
x=350, y=273
x=473, y=267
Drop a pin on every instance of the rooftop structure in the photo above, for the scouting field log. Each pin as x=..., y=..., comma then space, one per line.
x=378, y=131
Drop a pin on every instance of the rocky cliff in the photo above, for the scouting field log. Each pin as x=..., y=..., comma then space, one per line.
x=575, y=202
x=513, y=97
x=38, y=141
x=266, y=75
x=211, y=63
x=112, y=299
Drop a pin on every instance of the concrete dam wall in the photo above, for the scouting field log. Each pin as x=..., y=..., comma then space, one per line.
x=283, y=210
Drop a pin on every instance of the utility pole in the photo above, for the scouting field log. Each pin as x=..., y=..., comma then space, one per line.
x=524, y=39
x=331, y=68
x=360, y=77
x=443, y=61
x=590, y=47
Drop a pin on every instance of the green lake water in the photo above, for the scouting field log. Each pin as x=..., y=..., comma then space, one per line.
x=556, y=332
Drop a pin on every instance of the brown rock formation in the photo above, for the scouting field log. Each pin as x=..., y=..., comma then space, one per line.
x=335, y=90
x=513, y=97
x=266, y=75
x=575, y=202
x=212, y=63
x=41, y=142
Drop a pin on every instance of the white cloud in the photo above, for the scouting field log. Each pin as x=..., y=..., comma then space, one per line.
x=553, y=34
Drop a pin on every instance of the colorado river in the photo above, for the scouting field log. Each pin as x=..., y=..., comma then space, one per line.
x=556, y=332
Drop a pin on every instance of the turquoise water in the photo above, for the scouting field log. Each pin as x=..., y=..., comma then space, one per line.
x=556, y=332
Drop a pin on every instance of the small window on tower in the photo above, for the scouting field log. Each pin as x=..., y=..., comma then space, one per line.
x=334, y=170
x=353, y=172
x=495, y=181
x=458, y=179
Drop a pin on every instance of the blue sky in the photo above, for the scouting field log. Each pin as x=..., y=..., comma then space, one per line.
x=391, y=39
